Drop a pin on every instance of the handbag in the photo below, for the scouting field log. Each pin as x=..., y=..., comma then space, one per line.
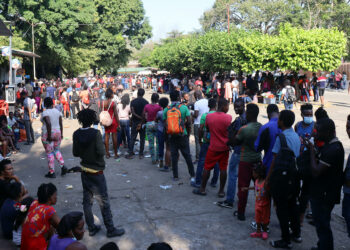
x=105, y=118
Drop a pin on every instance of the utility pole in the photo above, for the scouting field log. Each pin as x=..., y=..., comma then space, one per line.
x=228, y=18
x=34, y=69
x=10, y=57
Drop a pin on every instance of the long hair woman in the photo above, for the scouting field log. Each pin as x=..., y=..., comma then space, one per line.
x=110, y=106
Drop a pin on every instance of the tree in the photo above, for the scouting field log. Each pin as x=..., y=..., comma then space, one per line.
x=261, y=15
x=77, y=35
x=143, y=55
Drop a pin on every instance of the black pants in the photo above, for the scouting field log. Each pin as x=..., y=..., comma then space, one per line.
x=284, y=191
x=321, y=212
x=29, y=131
x=75, y=105
x=94, y=185
x=304, y=196
x=134, y=133
x=180, y=143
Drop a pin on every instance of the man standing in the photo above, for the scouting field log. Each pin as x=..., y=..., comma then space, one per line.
x=284, y=182
x=246, y=137
x=180, y=115
x=27, y=117
x=200, y=108
x=322, y=83
x=288, y=95
x=326, y=184
x=74, y=97
x=88, y=145
x=218, y=151
x=29, y=88
x=240, y=121
x=137, y=105
x=346, y=187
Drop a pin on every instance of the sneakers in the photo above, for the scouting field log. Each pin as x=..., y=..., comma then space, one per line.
x=195, y=185
x=297, y=239
x=225, y=204
x=240, y=216
x=64, y=171
x=160, y=164
x=193, y=181
x=50, y=175
x=164, y=169
x=115, y=232
x=281, y=244
x=254, y=226
x=94, y=231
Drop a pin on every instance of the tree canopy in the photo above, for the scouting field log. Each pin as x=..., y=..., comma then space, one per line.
x=291, y=49
x=73, y=36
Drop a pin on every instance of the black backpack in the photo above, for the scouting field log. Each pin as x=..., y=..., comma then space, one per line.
x=232, y=131
x=75, y=96
x=285, y=159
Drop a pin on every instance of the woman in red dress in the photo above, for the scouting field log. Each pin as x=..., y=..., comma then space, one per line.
x=36, y=229
x=110, y=106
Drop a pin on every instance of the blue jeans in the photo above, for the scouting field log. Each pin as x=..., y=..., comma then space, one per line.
x=124, y=129
x=321, y=212
x=161, y=141
x=232, y=177
x=234, y=96
x=346, y=211
x=202, y=153
x=287, y=105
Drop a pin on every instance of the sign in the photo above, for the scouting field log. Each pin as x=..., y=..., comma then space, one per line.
x=20, y=72
x=10, y=94
x=5, y=51
x=16, y=63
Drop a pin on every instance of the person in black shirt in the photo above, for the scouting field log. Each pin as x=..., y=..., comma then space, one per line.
x=137, y=105
x=327, y=180
x=6, y=177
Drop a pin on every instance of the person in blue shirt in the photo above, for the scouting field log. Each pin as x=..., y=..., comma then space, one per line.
x=284, y=185
x=267, y=135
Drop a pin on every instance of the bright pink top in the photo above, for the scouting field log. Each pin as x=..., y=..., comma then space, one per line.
x=151, y=111
x=218, y=123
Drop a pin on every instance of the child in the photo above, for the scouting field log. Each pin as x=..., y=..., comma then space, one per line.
x=262, y=203
x=22, y=209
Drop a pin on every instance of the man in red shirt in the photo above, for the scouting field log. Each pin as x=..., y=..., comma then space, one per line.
x=199, y=82
x=218, y=151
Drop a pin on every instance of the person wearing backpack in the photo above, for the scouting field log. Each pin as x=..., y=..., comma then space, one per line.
x=235, y=126
x=327, y=180
x=74, y=94
x=283, y=181
x=177, y=119
x=288, y=95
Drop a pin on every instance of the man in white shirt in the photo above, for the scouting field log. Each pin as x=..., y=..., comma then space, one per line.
x=200, y=107
x=235, y=89
x=288, y=95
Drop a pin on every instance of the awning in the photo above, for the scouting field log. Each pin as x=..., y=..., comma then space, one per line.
x=4, y=31
x=23, y=53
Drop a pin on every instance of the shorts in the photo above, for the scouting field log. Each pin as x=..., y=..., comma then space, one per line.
x=321, y=92
x=262, y=214
x=214, y=157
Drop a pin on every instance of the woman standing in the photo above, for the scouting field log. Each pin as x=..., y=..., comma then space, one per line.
x=150, y=113
x=52, y=134
x=41, y=216
x=124, y=113
x=69, y=232
x=109, y=105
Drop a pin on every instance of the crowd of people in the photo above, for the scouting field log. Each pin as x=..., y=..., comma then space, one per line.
x=299, y=168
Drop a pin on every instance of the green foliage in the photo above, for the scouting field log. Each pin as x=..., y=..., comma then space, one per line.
x=76, y=35
x=292, y=49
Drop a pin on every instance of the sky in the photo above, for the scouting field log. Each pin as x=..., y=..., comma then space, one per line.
x=168, y=15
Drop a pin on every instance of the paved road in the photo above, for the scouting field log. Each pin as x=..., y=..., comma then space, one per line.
x=151, y=214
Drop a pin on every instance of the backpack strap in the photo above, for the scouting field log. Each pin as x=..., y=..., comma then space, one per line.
x=283, y=140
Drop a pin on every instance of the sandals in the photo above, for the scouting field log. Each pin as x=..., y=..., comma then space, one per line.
x=198, y=192
x=108, y=156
